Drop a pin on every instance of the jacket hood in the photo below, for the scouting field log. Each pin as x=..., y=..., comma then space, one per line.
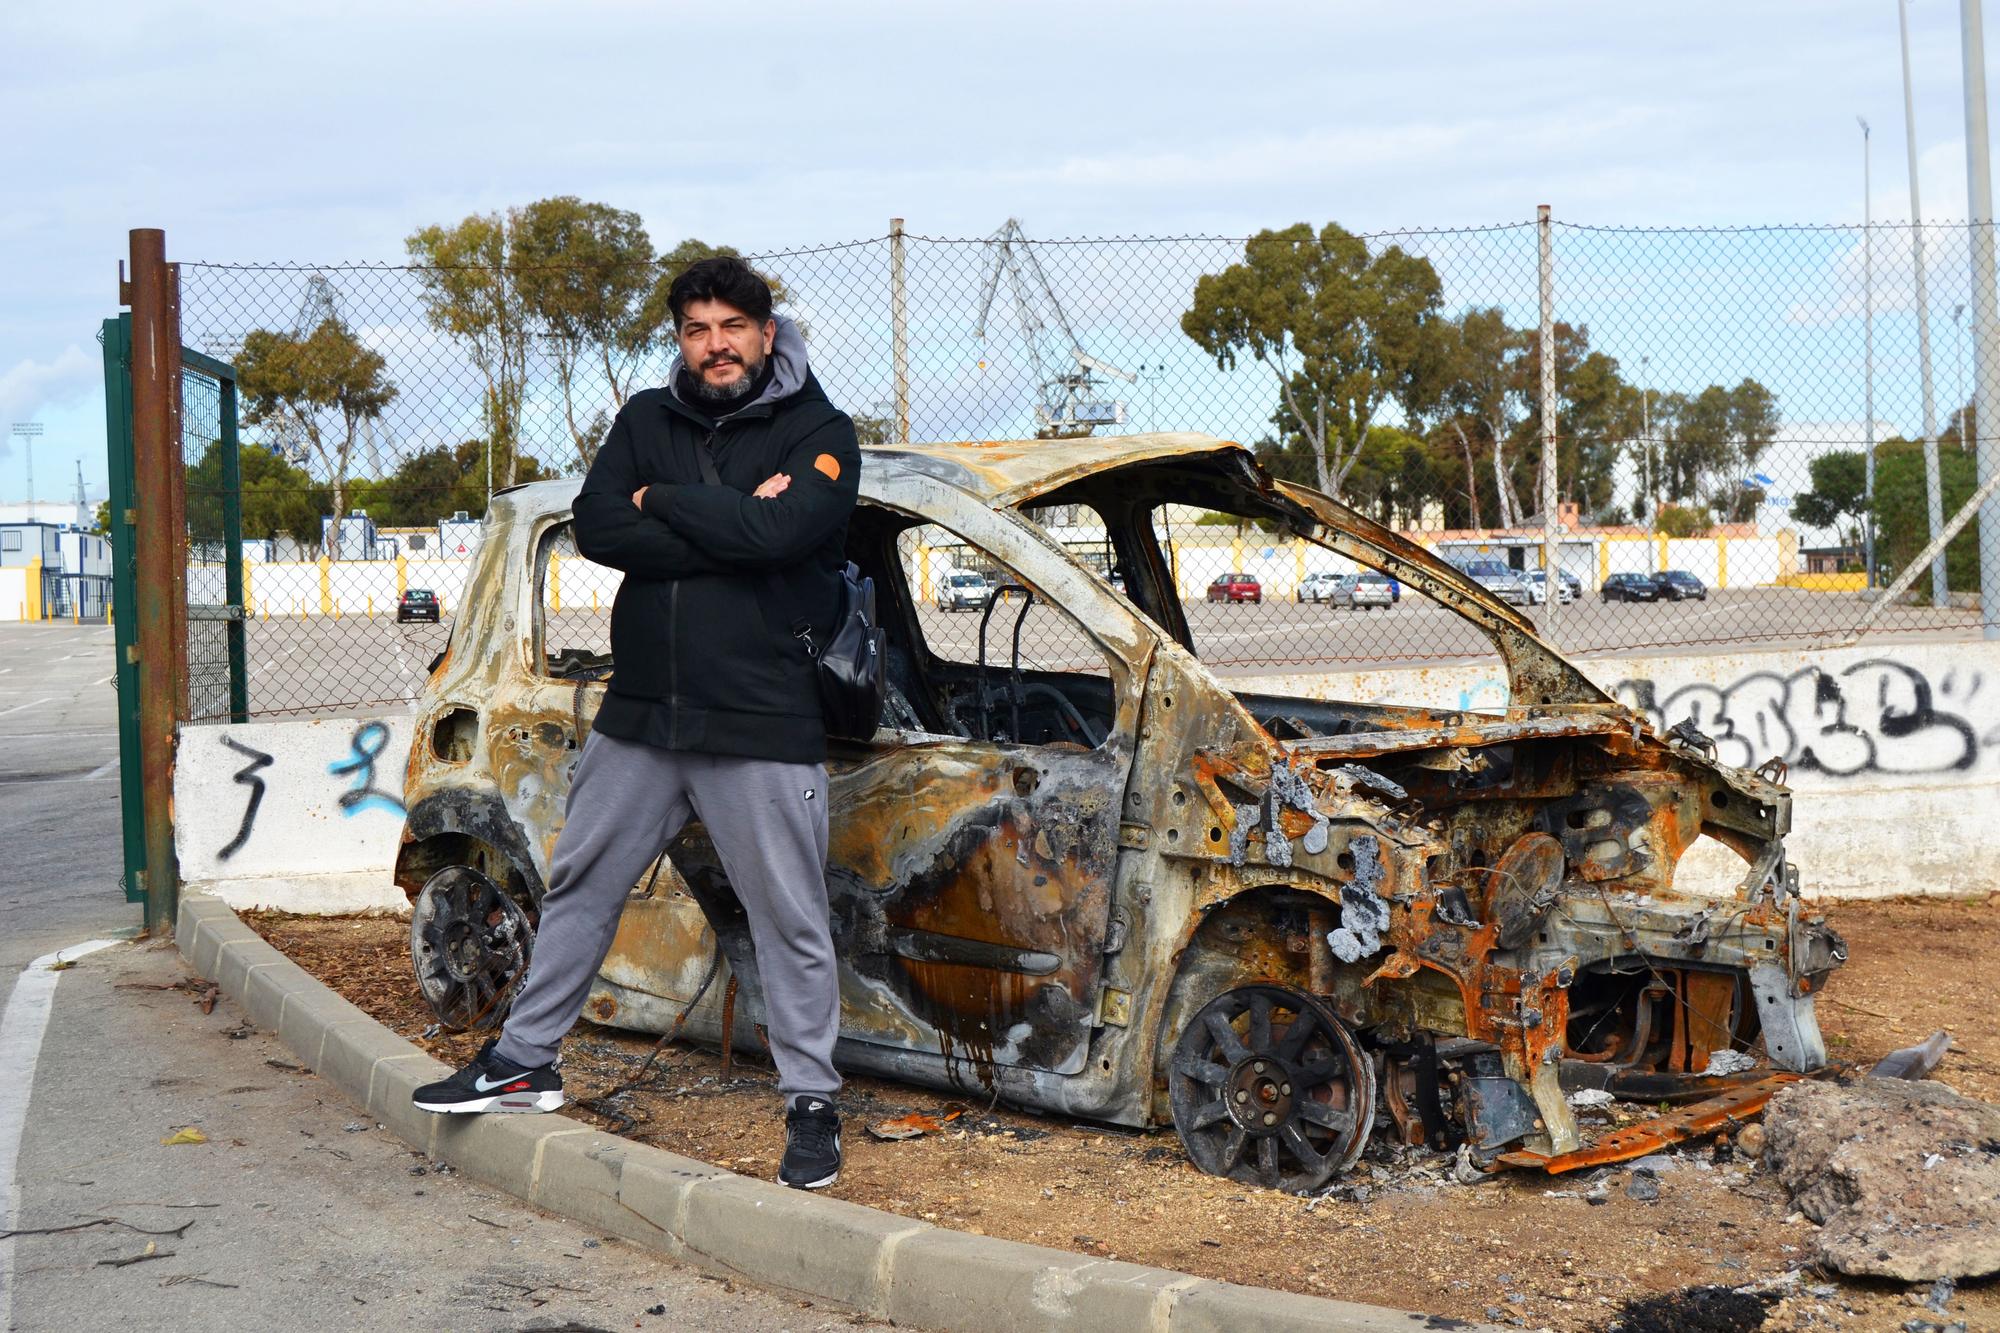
x=789, y=370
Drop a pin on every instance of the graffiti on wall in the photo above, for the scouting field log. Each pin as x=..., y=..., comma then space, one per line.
x=365, y=748
x=1875, y=717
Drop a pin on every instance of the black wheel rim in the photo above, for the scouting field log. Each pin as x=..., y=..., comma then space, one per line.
x=470, y=944
x=1270, y=1088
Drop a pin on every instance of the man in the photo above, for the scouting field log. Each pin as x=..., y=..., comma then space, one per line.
x=713, y=708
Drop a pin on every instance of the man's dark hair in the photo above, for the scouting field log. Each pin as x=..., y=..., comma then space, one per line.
x=724, y=278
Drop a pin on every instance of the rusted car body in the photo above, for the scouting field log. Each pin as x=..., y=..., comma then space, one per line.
x=1132, y=894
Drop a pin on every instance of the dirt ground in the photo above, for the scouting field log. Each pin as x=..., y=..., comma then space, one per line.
x=1568, y=1253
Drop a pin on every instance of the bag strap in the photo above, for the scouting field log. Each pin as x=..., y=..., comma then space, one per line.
x=801, y=627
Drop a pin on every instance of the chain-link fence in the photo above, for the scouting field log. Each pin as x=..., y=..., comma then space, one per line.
x=1717, y=396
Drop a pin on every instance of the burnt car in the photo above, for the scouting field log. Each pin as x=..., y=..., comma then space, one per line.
x=1076, y=871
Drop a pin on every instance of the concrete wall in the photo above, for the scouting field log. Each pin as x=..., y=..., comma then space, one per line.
x=1894, y=755
x=305, y=814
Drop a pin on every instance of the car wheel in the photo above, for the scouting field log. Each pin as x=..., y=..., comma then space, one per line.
x=1269, y=1087
x=471, y=943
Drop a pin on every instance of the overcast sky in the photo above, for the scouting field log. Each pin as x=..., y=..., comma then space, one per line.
x=328, y=132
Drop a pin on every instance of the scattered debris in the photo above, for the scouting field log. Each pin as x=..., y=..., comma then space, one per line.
x=914, y=1125
x=152, y=1251
x=1750, y=1141
x=1914, y=1062
x=175, y=1232
x=1723, y=1063
x=1902, y=1176
x=1644, y=1186
x=1695, y=1310
x=497, y=1226
x=186, y=1134
x=178, y=1278
x=1588, y=1097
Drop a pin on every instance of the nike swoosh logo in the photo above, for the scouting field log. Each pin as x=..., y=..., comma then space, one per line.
x=482, y=1085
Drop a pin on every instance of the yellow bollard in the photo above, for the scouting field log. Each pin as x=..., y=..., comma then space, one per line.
x=593, y=601
x=371, y=606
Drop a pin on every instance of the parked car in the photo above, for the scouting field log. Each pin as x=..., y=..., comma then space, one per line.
x=1360, y=590
x=1316, y=587
x=1076, y=870
x=1538, y=587
x=962, y=590
x=1503, y=582
x=1236, y=588
x=418, y=604
x=1629, y=588
x=1677, y=585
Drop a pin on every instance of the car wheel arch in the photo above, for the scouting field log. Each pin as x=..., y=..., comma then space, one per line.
x=459, y=826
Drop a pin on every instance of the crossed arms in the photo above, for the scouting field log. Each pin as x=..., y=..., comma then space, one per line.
x=663, y=530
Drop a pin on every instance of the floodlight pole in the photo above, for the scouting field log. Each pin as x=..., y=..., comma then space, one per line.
x=1551, y=573
x=1933, y=488
x=1985, y=315
x=1868, y=324
x=27, y=432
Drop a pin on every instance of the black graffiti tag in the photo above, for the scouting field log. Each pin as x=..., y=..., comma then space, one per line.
x=1872, y=717
x=247, y=775
x=370, y=739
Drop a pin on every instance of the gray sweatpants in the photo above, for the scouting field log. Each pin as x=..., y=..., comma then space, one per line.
x=768, y=823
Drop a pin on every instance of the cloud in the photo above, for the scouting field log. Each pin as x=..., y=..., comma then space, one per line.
x=28, y=386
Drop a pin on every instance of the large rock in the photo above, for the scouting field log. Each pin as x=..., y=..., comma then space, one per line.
x=1903, y=1177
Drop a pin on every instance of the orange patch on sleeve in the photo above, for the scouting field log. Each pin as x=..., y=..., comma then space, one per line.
x=828, y=464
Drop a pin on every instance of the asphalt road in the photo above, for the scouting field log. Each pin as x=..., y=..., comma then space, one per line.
x=361, y=665
x=304, y=1215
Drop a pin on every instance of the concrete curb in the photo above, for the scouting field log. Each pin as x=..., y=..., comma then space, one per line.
x=828, y=1250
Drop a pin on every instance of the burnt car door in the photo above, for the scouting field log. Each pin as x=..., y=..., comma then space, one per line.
x=975, y=839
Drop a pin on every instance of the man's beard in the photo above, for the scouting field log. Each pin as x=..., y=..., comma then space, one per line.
x=732, y=391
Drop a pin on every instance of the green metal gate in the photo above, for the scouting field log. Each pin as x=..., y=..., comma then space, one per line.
x=177, y=558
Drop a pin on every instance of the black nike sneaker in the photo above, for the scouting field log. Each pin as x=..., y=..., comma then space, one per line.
x=491, y=1084
x=812, y=1145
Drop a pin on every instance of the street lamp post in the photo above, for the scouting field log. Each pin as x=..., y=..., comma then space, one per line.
x=1868, y=336
x=1933, y=488
x=1958, y=318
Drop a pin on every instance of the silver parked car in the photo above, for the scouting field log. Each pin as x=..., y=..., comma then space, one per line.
x=1507, y=584
x=1359, y=590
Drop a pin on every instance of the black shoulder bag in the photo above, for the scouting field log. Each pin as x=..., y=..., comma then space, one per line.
x=851, y=667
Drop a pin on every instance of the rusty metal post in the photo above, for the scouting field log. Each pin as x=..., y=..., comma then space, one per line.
x=1551, y=552
x=161, y=614
x=899, y=331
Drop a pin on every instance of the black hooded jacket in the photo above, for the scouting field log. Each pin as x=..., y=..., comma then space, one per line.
x=705, y=654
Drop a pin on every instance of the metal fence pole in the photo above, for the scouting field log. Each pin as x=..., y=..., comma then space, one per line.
x=1933, y=485
x=1868, y=335
x=1552, y=584
x=1985, y=309
x=899, y=321
x=154, y=295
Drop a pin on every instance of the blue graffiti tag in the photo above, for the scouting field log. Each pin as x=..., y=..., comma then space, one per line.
x=370, y=739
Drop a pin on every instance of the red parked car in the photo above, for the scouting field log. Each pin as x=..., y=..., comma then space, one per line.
x=1236, y=588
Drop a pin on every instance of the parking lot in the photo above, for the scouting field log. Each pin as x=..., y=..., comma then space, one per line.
x=372, y=664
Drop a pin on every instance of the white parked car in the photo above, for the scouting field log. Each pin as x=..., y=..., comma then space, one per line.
x=1316, y=587
x=1569, y=589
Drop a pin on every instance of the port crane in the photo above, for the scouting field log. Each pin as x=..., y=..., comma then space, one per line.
x=1072, y=398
